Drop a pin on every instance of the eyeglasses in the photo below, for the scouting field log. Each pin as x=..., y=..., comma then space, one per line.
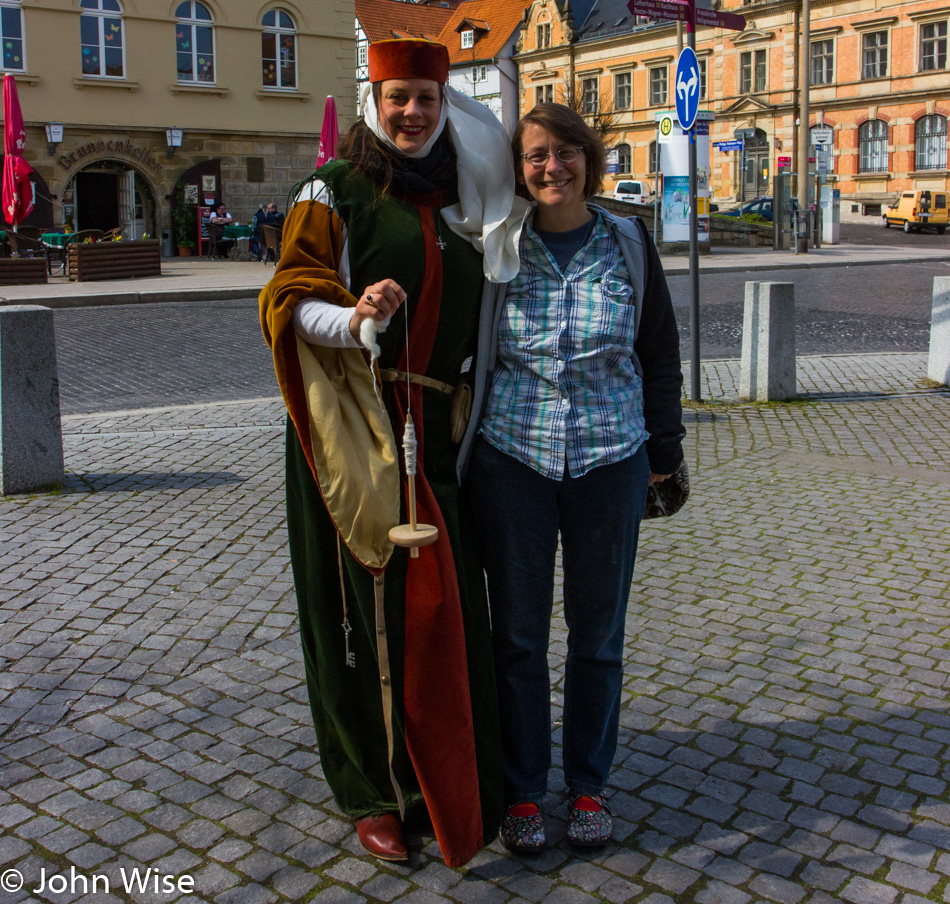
x=565, y=155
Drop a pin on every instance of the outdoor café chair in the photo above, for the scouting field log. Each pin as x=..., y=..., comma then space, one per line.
x=23, y=246
x=271, y=237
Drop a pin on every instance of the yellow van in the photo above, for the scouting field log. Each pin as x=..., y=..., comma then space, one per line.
x=917, y=210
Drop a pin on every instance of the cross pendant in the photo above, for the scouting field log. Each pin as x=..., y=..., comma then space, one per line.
x=441, y=243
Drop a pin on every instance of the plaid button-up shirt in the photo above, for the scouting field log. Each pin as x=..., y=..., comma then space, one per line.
x=565, y=395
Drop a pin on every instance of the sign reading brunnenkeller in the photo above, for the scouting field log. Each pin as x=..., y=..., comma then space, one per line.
x=674, y=165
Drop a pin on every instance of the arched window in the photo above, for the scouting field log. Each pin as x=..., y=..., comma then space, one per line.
x=101, y=37
x=872, y=146
x=279, y=50
x=11, y=32
x=930, y=142
x=194, y=42
x=623, y=158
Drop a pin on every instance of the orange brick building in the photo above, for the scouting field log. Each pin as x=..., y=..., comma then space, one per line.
x=879, y=80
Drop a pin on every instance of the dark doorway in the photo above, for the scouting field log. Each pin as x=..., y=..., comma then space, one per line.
x=97, y=200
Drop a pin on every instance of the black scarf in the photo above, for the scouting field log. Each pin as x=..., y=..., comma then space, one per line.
x=434, y=172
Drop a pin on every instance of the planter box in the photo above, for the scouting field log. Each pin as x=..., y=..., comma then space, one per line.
x=114, y=260
x=18, y=271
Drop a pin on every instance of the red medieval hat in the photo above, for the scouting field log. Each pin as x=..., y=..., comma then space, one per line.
x=408, y=58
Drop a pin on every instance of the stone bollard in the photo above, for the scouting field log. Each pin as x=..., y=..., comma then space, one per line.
x=938, y=362
x=768, y=343
x=31, y=439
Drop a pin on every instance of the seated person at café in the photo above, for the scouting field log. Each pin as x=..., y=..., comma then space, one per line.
x=267, y=215
x=219, y=218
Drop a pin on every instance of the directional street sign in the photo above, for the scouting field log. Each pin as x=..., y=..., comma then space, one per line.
x=715, y=19
x=822, y=136
x=728, y=145
x=660, y=9
x=687, y=88
x=678, y=10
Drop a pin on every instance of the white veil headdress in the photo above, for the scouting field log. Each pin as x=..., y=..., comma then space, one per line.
x=488, y=213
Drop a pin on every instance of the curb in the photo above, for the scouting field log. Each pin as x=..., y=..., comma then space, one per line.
x=132, y=298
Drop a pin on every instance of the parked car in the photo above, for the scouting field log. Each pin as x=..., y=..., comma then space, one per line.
x=759, y=206
x=916, y=210
x=634, y=191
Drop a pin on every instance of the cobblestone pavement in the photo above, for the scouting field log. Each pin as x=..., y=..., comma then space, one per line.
x=136, y=356
x=785, y=731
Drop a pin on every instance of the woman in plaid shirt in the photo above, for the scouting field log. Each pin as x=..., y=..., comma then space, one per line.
x=580, y=411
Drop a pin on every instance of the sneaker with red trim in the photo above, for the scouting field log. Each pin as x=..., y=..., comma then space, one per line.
x=522, y=829
x=589, y=822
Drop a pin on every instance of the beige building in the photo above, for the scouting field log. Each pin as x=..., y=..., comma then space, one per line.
x=879, y=80
x=241, y=82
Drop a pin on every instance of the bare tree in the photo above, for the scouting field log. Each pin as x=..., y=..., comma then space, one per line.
x=597, y=111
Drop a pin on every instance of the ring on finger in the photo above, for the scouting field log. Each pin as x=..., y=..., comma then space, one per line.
x=370, y=302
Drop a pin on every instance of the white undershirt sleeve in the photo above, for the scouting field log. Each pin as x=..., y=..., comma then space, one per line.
x=323, y=323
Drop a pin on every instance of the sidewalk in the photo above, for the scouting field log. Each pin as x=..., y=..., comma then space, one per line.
x=785, y=728
x=197, y=279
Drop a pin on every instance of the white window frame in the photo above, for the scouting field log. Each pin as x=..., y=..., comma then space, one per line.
x=21, y=67
x=543, y=35
x=278, y=32
x=100, y=15
x=826, y=71
x=876, y=51
x=871, y=157
x=362, y=55
x=702, y=77
x=930, y=147
x=590, y=95
x=939, y=41
x=623, y=89
x=659, y=85
x=624, y=158
x=752, y=57
x=468, y=38
x=544, y=94
x=192, y=23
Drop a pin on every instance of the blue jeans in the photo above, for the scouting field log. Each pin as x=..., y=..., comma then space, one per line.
x=519, y=515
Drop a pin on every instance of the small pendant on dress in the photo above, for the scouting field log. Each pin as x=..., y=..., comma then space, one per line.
x=350, y=657
x=440, y=243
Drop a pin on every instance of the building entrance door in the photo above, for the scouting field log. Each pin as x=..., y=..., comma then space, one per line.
x=106, y=195
x=755, y=163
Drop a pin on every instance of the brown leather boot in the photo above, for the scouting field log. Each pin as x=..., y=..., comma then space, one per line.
x=382, y=836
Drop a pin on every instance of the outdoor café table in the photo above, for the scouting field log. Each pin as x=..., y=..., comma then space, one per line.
x=240, y=235
x=56, y=240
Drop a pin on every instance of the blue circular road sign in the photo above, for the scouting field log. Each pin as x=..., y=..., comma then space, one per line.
x=687, y=88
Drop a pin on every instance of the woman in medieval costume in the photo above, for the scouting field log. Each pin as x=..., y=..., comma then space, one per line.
x=405, y=231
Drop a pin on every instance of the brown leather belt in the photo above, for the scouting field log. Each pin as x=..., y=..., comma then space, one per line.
x=391, y=376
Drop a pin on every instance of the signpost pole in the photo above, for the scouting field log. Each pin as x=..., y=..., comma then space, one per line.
x=801, y=240
x=685, y=10
x=695, y=382
x=656, y=183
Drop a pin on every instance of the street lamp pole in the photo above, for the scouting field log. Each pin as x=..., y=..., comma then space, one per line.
x=804, y=144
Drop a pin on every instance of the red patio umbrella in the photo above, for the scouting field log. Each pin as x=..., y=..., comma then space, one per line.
x=17, y=190
x=329, y=134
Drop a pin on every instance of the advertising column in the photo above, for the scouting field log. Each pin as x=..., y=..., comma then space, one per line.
x=674, y=165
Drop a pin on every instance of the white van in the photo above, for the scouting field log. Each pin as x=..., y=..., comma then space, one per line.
x=634, y=191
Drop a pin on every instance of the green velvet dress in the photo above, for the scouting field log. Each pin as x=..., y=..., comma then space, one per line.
x=399, y=239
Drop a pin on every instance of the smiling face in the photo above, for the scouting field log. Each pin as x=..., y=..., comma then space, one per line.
x=558, y=187
x=409, y=110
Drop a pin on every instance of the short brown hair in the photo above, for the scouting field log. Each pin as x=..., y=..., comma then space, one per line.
x=567, y=126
